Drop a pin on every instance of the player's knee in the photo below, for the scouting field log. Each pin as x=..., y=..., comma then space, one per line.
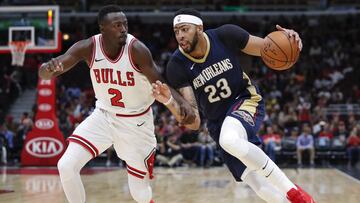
x=226, y=141
x=141, y=195
x=66, y=168
x=234, y=145
x=232, y=137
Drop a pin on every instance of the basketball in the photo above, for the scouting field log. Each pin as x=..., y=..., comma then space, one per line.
x=279, y=52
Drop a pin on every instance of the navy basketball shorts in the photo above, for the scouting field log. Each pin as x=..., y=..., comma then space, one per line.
x=251, y=114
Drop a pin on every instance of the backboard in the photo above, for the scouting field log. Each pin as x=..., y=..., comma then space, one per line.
x=39, y=25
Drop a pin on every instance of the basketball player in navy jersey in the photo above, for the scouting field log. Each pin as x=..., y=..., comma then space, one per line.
x=207, y=71
x=121, y=69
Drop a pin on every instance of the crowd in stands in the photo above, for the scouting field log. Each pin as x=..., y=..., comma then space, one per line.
x=208, y=5
x=297, y=124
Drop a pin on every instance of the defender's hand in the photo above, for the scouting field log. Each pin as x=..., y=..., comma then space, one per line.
x=161, y=92
x=292, y=34
x=54, y=65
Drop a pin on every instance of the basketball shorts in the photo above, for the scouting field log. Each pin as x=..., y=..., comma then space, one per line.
x=133, y=138
x=251, y=115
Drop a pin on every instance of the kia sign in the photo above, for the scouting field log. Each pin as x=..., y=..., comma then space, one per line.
x=44, y=147
x=44, y=107
x=45, y=92
x=44, y=124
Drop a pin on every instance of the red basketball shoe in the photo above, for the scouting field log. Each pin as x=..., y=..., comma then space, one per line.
x=299, y=196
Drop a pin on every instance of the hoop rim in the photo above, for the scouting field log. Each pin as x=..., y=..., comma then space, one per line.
x=21, y=42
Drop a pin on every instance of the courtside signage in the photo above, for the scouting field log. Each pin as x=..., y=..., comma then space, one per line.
x=44, y=147
x=44, y=124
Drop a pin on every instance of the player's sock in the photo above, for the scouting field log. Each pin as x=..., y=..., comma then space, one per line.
x=233, y=139
x=69, y=166
x=274, y=175
x=263, y=189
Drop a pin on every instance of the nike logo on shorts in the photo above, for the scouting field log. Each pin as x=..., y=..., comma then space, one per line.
x=97, y=60
x=140, y=124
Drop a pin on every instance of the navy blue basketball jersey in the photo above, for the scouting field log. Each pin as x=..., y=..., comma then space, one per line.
x=217, y=79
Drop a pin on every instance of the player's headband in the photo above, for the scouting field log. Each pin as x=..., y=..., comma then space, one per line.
x=185, y=18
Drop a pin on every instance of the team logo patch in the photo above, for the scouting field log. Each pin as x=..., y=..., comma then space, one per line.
x=245, y=116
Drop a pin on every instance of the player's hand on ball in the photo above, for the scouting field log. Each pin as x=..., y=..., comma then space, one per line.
x=54, y=65
x=161, y=92
x=292, y=34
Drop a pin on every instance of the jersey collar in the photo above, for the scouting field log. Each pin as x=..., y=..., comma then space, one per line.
x=202, y=60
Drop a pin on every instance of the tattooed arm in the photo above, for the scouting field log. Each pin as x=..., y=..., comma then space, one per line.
x=162, y=93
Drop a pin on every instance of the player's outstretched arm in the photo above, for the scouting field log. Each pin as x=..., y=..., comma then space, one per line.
x=142, y=57
x=59, y=65
x=162, y=93
x=255, y=43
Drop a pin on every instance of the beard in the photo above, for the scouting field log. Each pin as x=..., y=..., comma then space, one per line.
x=193, y=44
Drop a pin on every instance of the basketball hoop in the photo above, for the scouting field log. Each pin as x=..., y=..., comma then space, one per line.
x=18, y=49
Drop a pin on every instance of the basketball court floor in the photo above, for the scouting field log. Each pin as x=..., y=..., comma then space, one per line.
x=180, y=185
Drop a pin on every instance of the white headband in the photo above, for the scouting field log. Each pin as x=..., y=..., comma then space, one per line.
x=184, y=18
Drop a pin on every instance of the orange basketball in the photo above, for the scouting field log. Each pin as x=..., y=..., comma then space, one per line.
x=279, y=52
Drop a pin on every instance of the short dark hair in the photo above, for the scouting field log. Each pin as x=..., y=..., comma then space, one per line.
x=106, y=10
x=188, y=11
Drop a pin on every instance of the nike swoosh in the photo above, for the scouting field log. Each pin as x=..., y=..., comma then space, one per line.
x=97, y=60
x=140, y=124
x=192, y=67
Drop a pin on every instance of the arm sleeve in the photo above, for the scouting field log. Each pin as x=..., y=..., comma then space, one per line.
x=233, y=36
x=175, y=75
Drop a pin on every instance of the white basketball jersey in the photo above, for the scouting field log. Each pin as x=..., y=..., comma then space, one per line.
x=119, y=86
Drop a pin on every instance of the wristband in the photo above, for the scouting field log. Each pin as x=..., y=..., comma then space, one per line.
x=169, y=101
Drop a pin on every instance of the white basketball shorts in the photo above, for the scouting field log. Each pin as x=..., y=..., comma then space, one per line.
x=133, y=138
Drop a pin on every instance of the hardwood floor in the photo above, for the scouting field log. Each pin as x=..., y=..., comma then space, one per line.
x=180, y=185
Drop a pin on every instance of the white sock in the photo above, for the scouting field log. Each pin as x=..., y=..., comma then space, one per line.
x=263, y=189
x=274, y=175
x=233, y=139
x=69, y=166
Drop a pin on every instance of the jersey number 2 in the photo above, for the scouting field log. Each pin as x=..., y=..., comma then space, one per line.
x=225, y=90
x=115, y=100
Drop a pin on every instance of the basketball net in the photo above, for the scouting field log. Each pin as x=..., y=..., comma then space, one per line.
x=18, y=49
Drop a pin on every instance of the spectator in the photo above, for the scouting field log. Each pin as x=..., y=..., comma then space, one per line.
x=8, y=139
x=325, y=136
x=289, y=142
x=340, y=135
x=170, y=151
x=305, y=142
x=354, y=146
x=190, y=146
x=272, y=142
x=207, y=145
x=3, y=151
x=26, y=123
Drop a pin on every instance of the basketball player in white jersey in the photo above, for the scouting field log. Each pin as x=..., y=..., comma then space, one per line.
x=122, y=70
